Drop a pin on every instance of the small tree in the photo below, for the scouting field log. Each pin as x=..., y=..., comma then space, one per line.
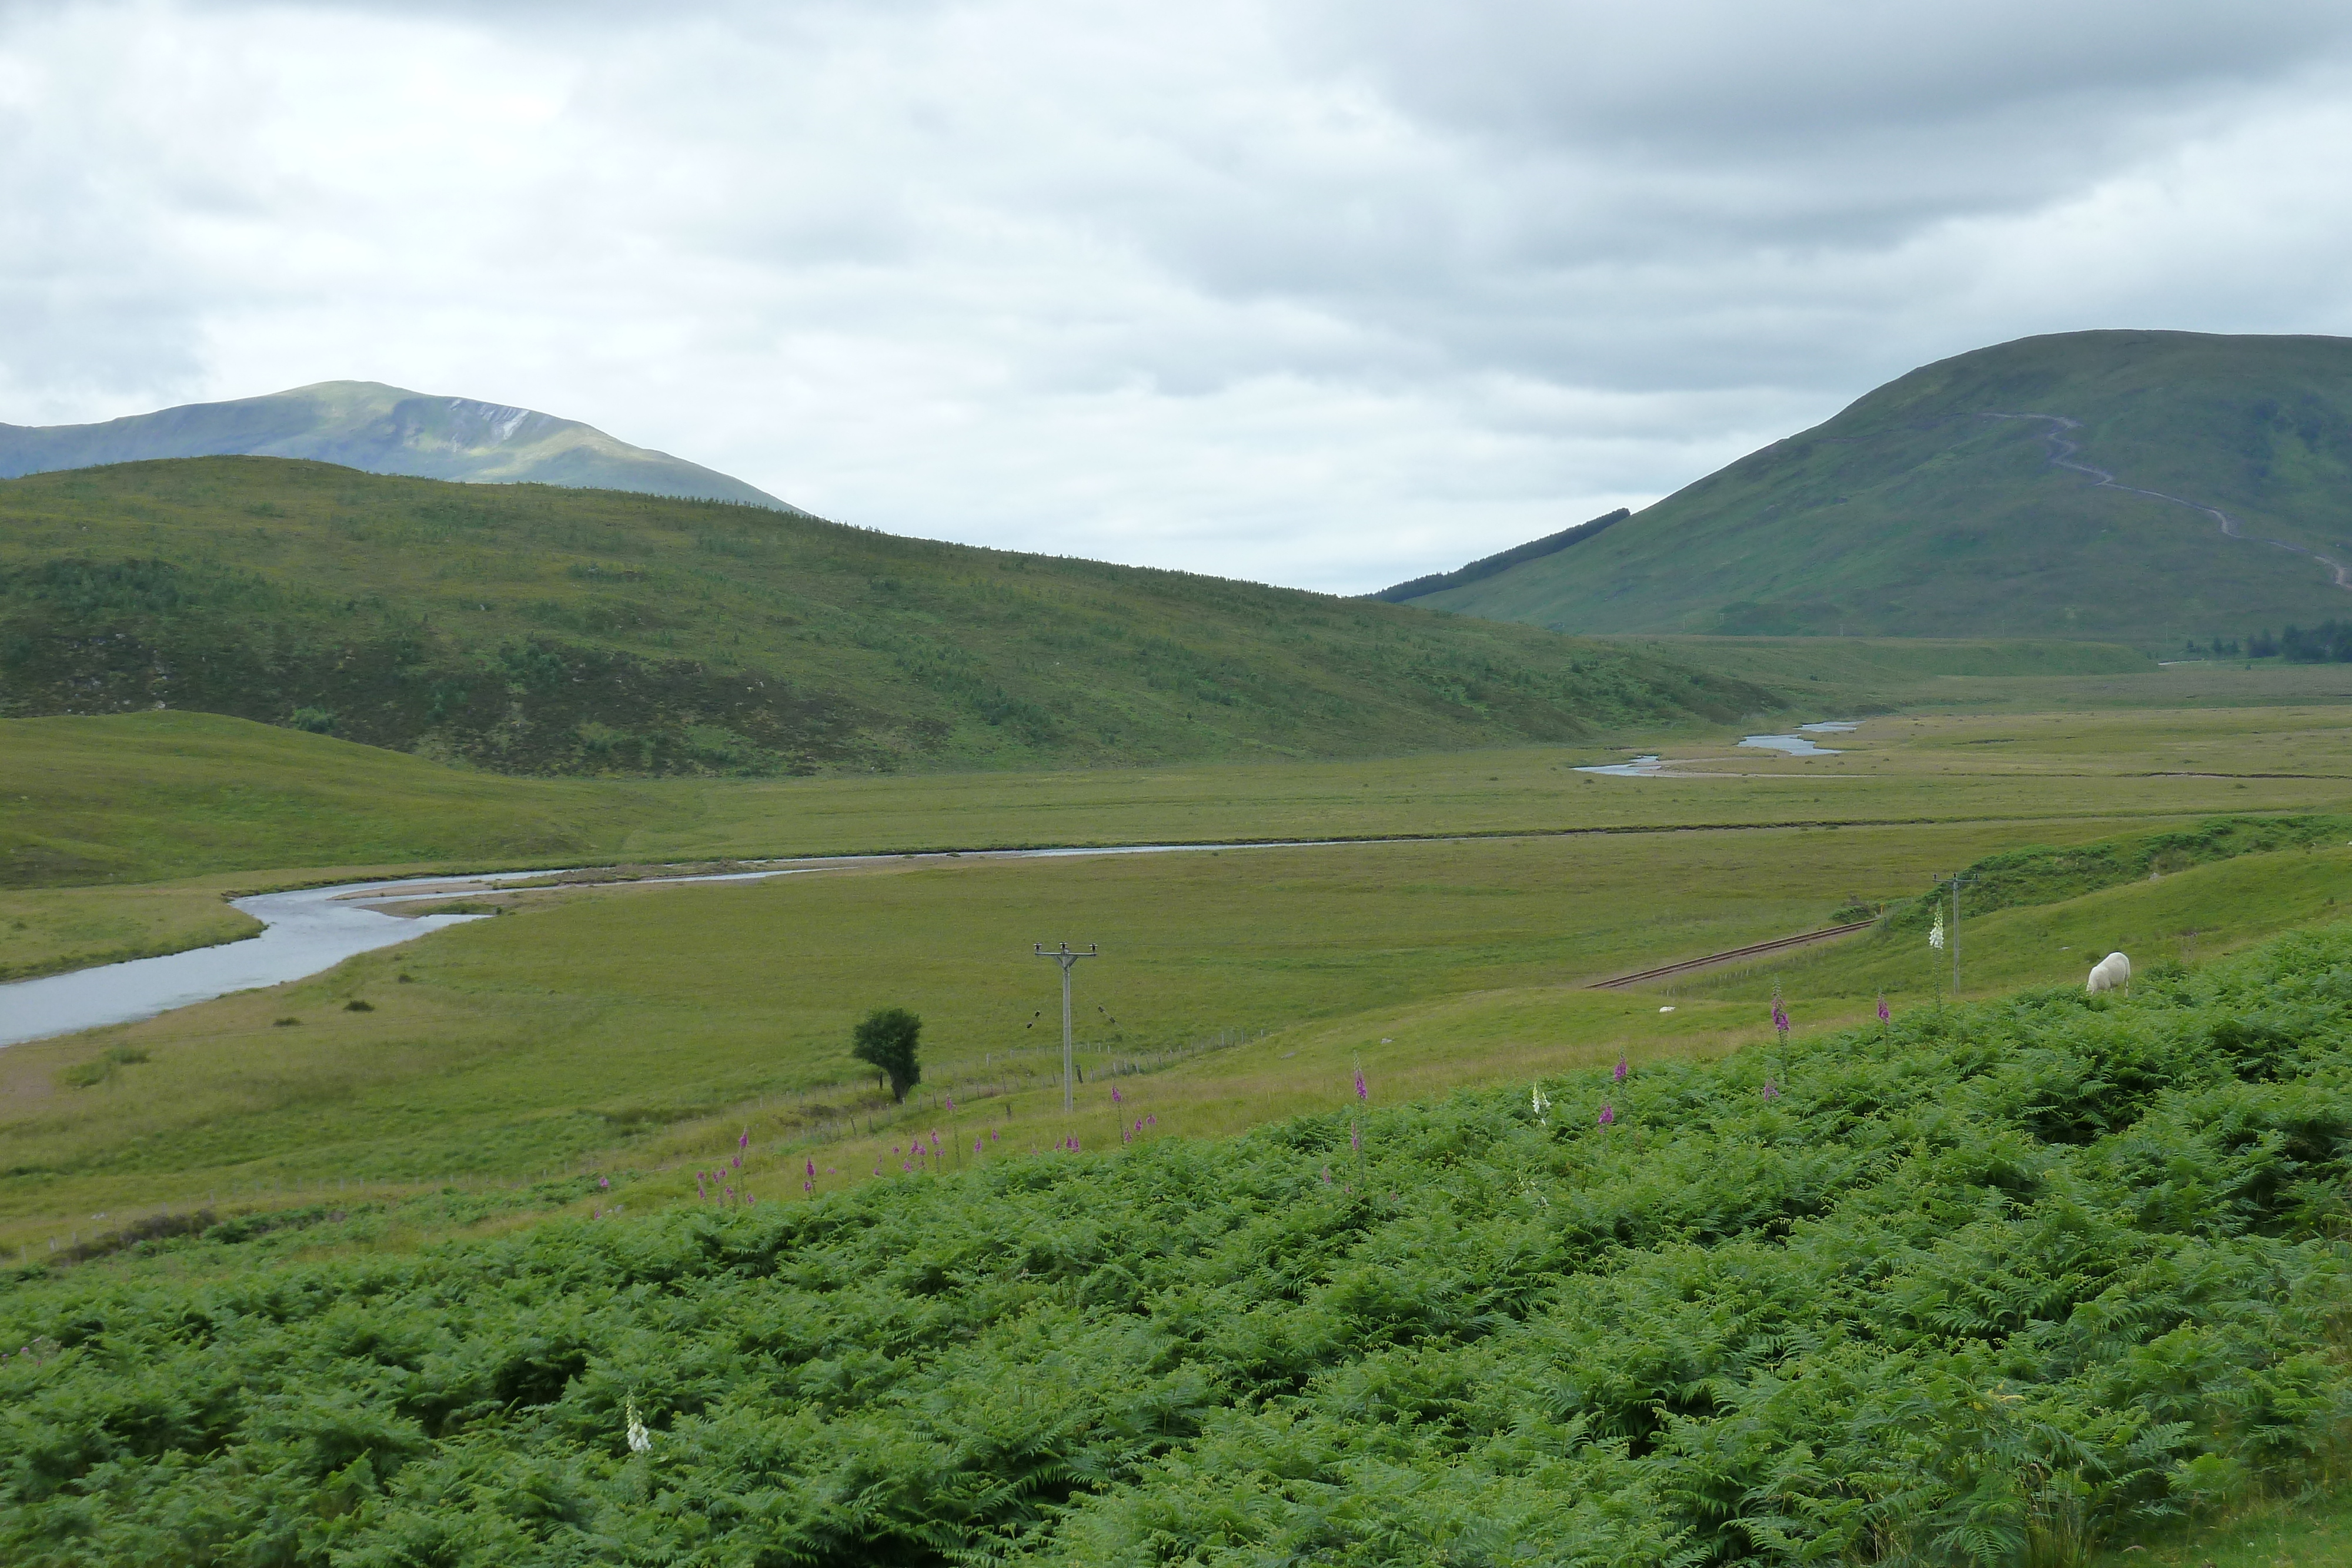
x=885, y=1041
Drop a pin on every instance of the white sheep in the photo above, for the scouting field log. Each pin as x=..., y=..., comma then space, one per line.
x=2112, y=973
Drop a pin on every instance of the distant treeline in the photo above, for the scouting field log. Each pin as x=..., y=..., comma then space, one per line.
x=2329, y=643
x=1549, y=544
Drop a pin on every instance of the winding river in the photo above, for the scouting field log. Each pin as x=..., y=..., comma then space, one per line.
x=313, y=929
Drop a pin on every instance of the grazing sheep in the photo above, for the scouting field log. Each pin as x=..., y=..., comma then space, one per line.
x=2112, y=973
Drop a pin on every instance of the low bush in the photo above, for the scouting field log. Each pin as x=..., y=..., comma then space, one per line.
x=1981, y=1287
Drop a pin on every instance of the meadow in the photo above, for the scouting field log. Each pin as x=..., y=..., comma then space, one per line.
x=638, y=1031
x=141, y=797
x=1997, y=1284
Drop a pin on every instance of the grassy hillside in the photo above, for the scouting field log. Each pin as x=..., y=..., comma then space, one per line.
x=1913, y=513
x=1996, y=1285
x=543, y=630
x=380, y=429
x=146, y=796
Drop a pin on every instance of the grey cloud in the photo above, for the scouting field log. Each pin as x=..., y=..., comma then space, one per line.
x=1315, y=292
x=1731, y=77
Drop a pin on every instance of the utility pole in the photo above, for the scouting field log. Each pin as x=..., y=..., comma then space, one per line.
x=1956, y=879
x=1066, y=957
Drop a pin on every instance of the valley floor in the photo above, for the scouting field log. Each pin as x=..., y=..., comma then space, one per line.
x=640, y=1032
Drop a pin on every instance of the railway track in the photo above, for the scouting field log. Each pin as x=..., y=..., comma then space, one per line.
x=1777, y=944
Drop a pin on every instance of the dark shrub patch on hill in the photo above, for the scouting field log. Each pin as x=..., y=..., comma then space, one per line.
x=540, y=631
x=92, y=637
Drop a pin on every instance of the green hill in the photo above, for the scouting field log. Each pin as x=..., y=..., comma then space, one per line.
x=1930, y=507
x=538, y=630
x=381, y=429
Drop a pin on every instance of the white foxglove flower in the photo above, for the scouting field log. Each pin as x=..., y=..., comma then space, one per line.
x=1540, y=1104
x=1936, y=933
x=640, y=1440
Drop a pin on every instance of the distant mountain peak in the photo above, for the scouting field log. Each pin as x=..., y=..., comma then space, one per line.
x=381, y=429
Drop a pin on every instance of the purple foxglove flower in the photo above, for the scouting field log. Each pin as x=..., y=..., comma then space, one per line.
x=745, y=1141
x=1151, y=1120
x=811, y=1168
x=1771, y=1090
x=1362, y=1092
x=1114, y=1095
x=1621, y=1070
x=1608, y=1114
x=1355, y=1137
x=808, y=1186
x=1882, y=1007
x=1326, y=1176
x=603, y=1183
x=950, y=1105
x=975, y=1145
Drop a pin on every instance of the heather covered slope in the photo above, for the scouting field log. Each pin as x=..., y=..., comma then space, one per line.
x=537, y=629
x=383, y=430
x=1987, y=1286
x=1918, y=511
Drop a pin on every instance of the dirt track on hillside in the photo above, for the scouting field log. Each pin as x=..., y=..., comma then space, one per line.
x=2061, y=456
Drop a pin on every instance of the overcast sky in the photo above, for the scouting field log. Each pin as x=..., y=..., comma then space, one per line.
x=1320, y=292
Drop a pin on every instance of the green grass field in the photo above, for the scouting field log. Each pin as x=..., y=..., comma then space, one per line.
x=160, y=796
x=147, y=796
x=641, y=1028
x=2316, y=1534
x=49, y=930
x=581, y=1028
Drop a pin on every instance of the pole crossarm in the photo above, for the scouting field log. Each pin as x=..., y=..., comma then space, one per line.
x=1067, y=957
